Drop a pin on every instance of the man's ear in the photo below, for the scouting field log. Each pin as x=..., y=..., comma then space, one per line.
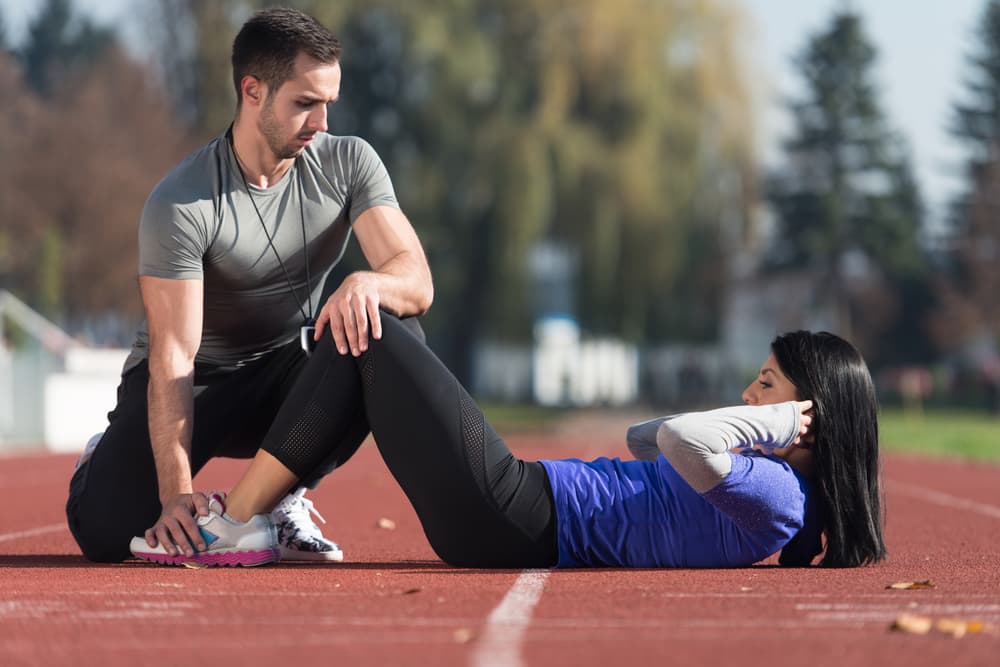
x=253, y=90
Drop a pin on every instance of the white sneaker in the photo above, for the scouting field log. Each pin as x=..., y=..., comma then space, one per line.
x=229, y=541
x=299, y=538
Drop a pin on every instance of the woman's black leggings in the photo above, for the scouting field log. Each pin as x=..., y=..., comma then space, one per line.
x=478, y=504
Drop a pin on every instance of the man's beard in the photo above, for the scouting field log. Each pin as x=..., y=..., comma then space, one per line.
x=272, y=134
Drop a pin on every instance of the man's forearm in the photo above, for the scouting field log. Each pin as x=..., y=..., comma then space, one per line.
x=405, y=286
x=171, y=417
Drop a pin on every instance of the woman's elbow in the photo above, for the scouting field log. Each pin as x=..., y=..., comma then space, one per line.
x=632, y=436
x=668, y=438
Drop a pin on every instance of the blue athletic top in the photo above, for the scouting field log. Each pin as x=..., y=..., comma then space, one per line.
x=643, y=513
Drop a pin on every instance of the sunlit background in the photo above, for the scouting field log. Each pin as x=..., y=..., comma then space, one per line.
x=622, y=201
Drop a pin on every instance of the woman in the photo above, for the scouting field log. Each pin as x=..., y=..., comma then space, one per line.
x=724, y=488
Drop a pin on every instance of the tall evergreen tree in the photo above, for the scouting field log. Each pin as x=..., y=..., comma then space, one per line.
x=969, y=289
x=59, y=42
x=847, y=206
x=976, y=118
x=3, y=33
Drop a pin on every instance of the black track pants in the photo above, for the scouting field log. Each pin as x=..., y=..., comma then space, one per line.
x=479, y=505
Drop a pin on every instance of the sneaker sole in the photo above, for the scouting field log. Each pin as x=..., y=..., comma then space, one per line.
x=225, y=559
x=311, y=556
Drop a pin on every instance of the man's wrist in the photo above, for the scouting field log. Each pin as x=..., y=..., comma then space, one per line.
x=175, y=482
x=169, y=494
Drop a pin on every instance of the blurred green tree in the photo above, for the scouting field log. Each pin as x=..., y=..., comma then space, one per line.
x=621, y=131
x=847, y=207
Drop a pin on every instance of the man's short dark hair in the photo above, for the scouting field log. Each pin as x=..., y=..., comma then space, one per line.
x=269, y=42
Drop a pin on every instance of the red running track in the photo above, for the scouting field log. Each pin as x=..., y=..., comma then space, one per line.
x=393, y=603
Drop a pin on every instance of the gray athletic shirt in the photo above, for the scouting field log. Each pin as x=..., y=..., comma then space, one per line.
x=199, y=223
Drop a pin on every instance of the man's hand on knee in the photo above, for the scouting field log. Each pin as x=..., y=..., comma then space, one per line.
x=176, y=528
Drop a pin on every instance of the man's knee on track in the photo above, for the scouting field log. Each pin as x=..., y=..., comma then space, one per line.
x=98, y=546
x=106, y=554
x=103, y=550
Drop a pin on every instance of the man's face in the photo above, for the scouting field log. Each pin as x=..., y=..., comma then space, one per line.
x=293, y=114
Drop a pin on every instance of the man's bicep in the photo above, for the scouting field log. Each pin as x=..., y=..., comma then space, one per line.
x=368, y=180
x=173, y=239
x=173, y=315
x=384, y=233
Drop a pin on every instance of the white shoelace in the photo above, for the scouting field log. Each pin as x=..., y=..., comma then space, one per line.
x=297, y=509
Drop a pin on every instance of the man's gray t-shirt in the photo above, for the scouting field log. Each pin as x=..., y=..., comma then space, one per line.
x=199, y=223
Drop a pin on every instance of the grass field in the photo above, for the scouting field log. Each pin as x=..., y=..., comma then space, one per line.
x=952, y=433
x=507, y=417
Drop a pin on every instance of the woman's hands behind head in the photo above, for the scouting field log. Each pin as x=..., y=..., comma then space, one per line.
x=806, y=436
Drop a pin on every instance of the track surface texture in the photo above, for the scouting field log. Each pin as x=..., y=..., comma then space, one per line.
x=393, y=603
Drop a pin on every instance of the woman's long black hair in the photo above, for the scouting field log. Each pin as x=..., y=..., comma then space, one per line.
x=831, y=373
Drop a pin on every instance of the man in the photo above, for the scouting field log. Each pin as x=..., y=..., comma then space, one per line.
x=235, y=244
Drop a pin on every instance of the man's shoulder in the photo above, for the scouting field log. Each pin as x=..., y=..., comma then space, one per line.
x=193, y=181
x=327, y=141
x=331, y=150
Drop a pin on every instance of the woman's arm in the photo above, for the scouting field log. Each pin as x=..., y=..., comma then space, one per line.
x=697, y=444
x=641, y=438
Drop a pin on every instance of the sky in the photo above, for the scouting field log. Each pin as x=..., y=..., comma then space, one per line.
x=922, y=44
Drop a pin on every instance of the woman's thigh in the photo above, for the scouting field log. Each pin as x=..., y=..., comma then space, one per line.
x=479, y=505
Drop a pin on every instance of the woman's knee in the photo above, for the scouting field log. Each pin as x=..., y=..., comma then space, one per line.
x=393, y=327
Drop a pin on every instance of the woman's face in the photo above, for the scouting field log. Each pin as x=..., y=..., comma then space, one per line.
x=770, y=386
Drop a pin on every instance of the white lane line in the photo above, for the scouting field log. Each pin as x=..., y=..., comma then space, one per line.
x=944, y=499
x=34, y=531
x=500, y=643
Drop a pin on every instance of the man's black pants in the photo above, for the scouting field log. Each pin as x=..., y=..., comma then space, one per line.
x=114, y=495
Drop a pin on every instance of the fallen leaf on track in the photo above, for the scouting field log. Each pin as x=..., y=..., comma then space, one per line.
x=386, y=524
x=911, y=585
x=463, y=635
x=914, y=625
x=957, y=627
x=952, y=626
x=921, y=625
x=411, y=591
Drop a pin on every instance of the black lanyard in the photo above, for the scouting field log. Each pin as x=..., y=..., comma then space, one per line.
x=308, y=317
